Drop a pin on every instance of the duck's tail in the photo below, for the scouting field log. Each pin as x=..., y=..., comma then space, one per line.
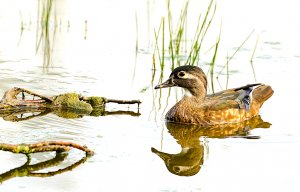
x=261, y=94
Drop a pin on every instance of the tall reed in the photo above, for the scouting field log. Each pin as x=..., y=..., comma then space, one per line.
x=175, y=39
x=171, y=42
x=212, y=64
x=45, y=35
x=251, y=59
x=201, y=31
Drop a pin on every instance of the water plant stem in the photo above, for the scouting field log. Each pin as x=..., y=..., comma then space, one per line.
x=252, y=56
x=237, y=50
x=212, y=64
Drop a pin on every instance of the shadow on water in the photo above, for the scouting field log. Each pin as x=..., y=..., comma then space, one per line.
x=191, y=158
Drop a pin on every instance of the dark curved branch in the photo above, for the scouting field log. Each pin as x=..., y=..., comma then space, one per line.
x=26, y=169
x=30, y=170
x=60, y=171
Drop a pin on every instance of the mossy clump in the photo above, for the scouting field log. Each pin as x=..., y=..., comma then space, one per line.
x=71, y=101
x=98, y=104
x=95, y=101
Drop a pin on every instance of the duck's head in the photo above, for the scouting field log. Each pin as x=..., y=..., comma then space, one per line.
x=191, y=78
x=186, y=163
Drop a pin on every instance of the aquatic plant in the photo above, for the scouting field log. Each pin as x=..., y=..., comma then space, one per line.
x=176, y=42
x=236, y=51
x=174, y=46
x=251, y=59
x=45, y=35
x=212, y=64
x=172, y=43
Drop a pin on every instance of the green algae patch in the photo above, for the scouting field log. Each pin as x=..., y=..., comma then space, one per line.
x=71, y=101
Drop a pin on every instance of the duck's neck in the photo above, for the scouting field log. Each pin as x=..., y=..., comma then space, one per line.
x=195, y=95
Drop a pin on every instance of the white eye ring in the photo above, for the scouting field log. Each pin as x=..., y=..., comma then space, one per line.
x=181, y=74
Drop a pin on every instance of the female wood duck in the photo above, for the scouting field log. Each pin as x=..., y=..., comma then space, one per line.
x=228, y=106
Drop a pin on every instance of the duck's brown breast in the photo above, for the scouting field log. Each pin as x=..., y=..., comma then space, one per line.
x=210, y=112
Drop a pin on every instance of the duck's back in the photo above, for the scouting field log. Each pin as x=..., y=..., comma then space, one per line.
x=229, y=106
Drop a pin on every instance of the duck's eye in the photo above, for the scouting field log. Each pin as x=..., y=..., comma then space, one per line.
x=181, y=74
x=176, y=169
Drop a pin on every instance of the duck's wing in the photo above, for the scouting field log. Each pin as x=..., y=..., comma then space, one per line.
x=239, y=98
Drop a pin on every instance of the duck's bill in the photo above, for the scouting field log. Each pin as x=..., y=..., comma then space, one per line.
x=164, y=156
x=168, y=83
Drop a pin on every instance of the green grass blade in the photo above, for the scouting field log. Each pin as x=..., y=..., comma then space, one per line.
x=252, y=56
x=237, y=50
x=212, y=64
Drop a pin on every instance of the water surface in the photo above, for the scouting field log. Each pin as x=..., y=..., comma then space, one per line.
x=100, y=60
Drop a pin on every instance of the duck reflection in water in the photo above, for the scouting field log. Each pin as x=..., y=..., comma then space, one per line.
x=191, y=158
